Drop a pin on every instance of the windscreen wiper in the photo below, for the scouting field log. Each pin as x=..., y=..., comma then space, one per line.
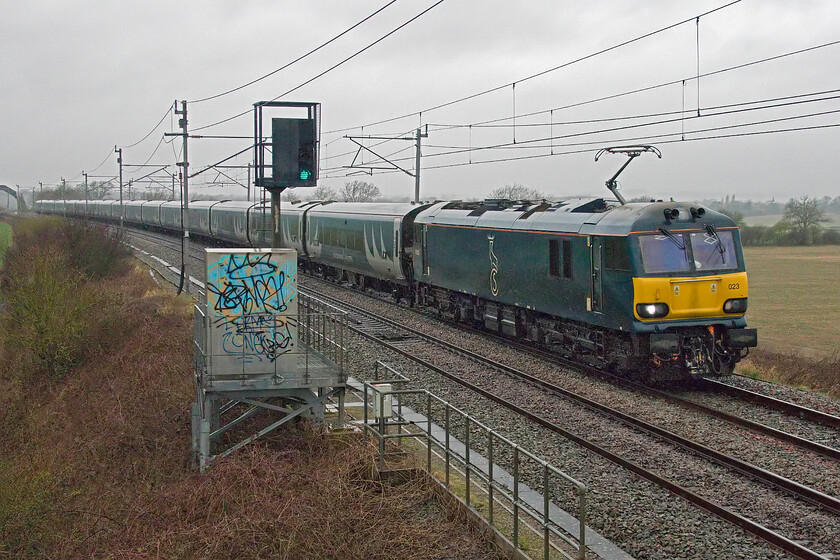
x=677, y=241
x=712, y=232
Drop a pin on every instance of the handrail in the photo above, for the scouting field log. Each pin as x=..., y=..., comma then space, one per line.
x=475, y=474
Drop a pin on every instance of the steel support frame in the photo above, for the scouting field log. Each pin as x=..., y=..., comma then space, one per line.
x=210, y=409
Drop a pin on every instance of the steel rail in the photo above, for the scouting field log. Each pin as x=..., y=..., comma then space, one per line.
x=748, y=525
x=814, y=496
x=816, y=447
x=771, y=402
x=728, y=515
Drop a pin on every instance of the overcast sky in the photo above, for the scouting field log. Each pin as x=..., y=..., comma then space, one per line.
x=79, y=78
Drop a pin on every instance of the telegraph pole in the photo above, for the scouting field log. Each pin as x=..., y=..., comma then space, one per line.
x=40, y=192
x=129, y=189
x=86, y=192
x=186, y=204
x=119, y=160
x=249, y=183
x=417, y=165
x=17, y=200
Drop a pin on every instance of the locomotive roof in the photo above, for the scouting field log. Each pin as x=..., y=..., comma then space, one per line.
x=579, y=215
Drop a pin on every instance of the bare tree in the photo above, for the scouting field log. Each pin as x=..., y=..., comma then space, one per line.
x=359, y=191
x=97, y=190
x=516, y=192
x=804, y=216
x=157, y=192
x=290, y=195
x=323, y=192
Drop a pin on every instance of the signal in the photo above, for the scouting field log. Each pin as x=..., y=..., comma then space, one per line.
x=294, y=153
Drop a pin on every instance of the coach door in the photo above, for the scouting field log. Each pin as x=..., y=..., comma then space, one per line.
x=398, y=248
x=596, y=291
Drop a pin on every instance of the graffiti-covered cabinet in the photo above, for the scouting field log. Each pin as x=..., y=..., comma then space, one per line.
x=251, y=316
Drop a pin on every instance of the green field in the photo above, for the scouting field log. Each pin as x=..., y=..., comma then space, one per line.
x=795, y=298
x=5, y=239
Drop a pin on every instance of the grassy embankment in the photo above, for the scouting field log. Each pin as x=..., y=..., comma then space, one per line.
x=95, y=389
x=5, y=239
x=795, y=304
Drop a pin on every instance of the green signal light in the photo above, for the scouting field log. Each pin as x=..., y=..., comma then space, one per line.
x=304, y=174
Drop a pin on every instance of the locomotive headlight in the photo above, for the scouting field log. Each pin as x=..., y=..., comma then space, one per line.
x=738, y=305
x=652, y=310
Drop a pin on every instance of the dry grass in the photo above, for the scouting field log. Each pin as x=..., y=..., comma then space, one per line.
x=820, y=375
x=5, y=239
x=96, y=463
x=794, y=300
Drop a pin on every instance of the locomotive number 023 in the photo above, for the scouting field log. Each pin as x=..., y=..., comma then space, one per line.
x=735, y=286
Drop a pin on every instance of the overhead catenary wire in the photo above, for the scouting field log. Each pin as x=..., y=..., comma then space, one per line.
x=298, y=59
x=707, y=114
x=648, y=88
x=160, y=122
x=443, y=127
x=538, y=74
x=484, y=123
x=658, y=138
x=331, y=68
x=592, y=146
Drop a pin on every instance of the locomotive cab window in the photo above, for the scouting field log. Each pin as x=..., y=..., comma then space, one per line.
x=713, y=250
x=661, y=253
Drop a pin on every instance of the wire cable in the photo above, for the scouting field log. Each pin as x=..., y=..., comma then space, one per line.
x=659, y=139
x=331, y=68
x=530, y=144
x=543, y=72
x=298, y=59
x=593, y=149
x=166, y=114
x=660, y=85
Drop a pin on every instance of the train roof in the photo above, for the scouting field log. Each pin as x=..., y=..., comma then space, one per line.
x=394, y=209
x=579, y=215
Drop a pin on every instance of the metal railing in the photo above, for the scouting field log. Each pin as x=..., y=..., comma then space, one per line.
x=479, y=473
x=320, y=328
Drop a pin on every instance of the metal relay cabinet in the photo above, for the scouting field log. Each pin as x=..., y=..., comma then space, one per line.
x=261, y=346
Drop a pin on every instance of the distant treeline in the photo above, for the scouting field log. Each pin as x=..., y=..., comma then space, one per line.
x=805, y=221
x=781, y=234
x=771, y=207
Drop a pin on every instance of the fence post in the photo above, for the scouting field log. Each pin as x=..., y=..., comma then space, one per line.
x=467, y=465
x=429, y=431
x=546, y=517
x=490, y=473
x=582, y=517
x=447, y=445
x=516, y=497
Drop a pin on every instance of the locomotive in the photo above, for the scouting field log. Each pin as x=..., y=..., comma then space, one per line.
x=656, y=290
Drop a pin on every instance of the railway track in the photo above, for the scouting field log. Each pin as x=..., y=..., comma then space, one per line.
x=409, y=336
x=398, y=338
x=787, y=407
x=709, y=385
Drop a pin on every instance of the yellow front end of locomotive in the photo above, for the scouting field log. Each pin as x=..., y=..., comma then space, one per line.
x=675, y=298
